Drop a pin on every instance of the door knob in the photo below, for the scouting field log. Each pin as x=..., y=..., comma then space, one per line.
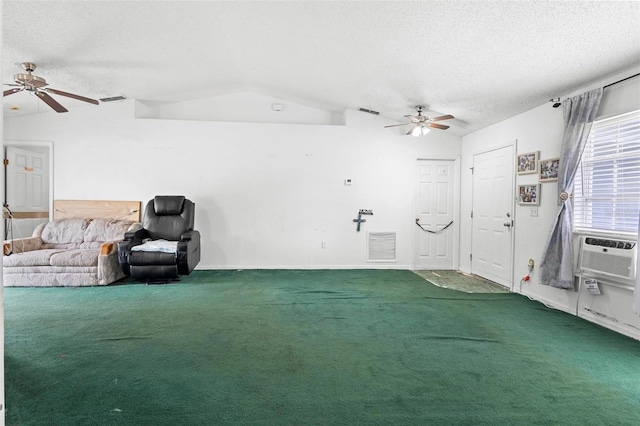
x=507, y=224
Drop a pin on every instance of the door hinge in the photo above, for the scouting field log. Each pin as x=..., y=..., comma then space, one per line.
x=471, y=170
x=470, y=256
x=471, y=214
x=6, y=161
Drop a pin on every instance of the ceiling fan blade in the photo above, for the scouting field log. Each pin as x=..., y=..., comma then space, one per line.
x=412, y=118
x=442, y=117
x=396, y=125
x=71, y=95
x=410, y=132
x=11, y=92
x=51, y=102
x=437, y=126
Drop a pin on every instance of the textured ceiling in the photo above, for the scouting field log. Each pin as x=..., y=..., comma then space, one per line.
x=480, y=61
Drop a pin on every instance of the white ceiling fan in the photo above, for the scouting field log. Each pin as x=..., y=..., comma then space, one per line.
x=422, y=124
x=36, y=85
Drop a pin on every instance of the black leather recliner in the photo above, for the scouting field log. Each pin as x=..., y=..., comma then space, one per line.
x=169, y=218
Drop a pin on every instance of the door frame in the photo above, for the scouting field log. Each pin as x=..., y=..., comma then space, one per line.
x=514, y=145
x=456, y=209
x=26, y=145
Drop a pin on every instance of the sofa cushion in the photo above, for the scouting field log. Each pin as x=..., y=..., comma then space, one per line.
x=64, y=231
x=62, y=246
x=75, y=258
x=106, y=230
x=31, y=258
x=95, y=245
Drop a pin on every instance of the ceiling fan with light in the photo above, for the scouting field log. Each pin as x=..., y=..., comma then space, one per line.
x=422, y=124
x=36, y=85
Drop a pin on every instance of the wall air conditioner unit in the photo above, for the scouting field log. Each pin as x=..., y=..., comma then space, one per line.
x=612, y=258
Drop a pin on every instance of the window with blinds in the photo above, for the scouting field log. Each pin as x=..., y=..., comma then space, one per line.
x=607, y=184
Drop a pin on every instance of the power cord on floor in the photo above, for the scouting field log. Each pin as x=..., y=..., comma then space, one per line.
x=527, y=277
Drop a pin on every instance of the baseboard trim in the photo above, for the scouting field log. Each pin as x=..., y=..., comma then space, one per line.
x=550, y=303
x=614, y=325
x=602, y=321
x=394, y=266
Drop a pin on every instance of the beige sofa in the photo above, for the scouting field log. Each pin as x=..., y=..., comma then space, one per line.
x=70, y=252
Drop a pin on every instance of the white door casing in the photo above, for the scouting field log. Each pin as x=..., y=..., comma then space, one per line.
x=435, y=205
x=492, y=222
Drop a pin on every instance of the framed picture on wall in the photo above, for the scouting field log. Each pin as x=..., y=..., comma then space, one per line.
x=548, y=170
x=527, y=163
x=529, y=194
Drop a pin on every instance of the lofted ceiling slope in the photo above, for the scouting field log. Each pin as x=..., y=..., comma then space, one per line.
x=479, y=61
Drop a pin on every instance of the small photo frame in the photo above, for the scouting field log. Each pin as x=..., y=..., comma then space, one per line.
x=527, y=163
x=529, y=194
x=548, y=170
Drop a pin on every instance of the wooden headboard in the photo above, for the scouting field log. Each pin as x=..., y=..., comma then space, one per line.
x=92, y=209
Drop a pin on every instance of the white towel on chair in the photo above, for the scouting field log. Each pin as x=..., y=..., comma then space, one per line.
x=157, y=245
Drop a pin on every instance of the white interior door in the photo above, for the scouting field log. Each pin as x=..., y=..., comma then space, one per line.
x=492, y=229
x=26, y=188
x=434, y=212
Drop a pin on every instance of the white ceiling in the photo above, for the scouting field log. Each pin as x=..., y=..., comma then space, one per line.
x=479, y=61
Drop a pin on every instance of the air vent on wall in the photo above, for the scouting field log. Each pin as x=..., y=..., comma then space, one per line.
x=113, y=98
x=369, y=111
x=626, y=245
x=381, y=247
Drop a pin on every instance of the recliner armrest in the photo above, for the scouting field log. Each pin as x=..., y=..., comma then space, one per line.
x=131, y=239
x=136, y=236
x=188, y=251
x=187, y=236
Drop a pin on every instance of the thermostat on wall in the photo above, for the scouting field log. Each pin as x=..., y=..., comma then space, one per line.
x=347, y=181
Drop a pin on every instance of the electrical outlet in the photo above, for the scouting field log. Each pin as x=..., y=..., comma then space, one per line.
x=324, y=244
x=533, y=211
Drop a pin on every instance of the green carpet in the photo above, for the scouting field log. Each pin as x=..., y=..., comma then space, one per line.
x=308, y=348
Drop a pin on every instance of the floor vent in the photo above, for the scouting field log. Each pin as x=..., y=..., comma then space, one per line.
x=381, y=247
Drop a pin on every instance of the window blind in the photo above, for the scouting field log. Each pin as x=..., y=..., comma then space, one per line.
x=607, y=184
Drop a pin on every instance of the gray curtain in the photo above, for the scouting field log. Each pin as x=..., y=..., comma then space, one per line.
x=556, y=268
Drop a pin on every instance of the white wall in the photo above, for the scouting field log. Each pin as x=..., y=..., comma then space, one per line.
x=266, y=194
x=540, y=129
